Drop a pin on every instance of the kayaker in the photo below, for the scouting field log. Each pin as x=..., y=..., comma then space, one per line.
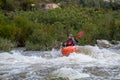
x=72, y=41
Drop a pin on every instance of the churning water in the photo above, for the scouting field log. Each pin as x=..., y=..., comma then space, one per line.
x=99, y=64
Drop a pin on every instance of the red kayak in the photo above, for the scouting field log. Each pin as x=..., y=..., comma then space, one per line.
x=67, y=50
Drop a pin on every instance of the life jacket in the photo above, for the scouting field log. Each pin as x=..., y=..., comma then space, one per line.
x=69, y=42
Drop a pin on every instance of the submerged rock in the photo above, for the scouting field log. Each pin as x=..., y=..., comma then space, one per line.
x=66, y=74
x=97, y=71
x=59, y=78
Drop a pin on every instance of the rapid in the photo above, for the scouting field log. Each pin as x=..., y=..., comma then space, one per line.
x=100, y=64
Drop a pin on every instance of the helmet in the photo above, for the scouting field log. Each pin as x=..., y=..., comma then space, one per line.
x=70, y=35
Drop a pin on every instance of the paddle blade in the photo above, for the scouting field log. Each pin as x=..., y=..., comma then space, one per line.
x=80, y=33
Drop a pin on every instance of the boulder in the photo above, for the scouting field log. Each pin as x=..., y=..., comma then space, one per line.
x=104, y=43
x=51, y=6
x=114, y=42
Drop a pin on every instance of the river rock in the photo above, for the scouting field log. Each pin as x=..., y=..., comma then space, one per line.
x=115, y=42
x=104, y=43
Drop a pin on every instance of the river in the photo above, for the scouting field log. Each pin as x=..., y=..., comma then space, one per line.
x=100, y=64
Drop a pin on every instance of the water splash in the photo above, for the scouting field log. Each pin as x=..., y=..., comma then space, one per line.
x=70, y=73
x=37, y=64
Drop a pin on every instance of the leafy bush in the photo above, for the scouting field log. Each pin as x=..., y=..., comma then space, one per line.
x=7, y=5
x=41, y=38
x=40, y=30
x=6, y=44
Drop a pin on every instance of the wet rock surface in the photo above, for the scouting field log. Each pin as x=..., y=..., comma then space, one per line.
x=107, y=44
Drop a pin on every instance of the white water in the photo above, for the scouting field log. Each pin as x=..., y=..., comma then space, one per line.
x=100, y=64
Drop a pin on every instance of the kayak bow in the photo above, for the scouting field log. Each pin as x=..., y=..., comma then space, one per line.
x=67, y=50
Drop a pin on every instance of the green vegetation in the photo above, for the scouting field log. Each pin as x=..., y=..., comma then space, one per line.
x=6, y=45
x=41, y=29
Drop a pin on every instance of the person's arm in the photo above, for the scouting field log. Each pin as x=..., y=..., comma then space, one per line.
x=75, y=41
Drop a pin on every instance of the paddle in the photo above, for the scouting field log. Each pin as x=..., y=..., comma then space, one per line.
x=80, y=33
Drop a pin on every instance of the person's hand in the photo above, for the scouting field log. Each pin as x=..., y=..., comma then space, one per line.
x=73, y=38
